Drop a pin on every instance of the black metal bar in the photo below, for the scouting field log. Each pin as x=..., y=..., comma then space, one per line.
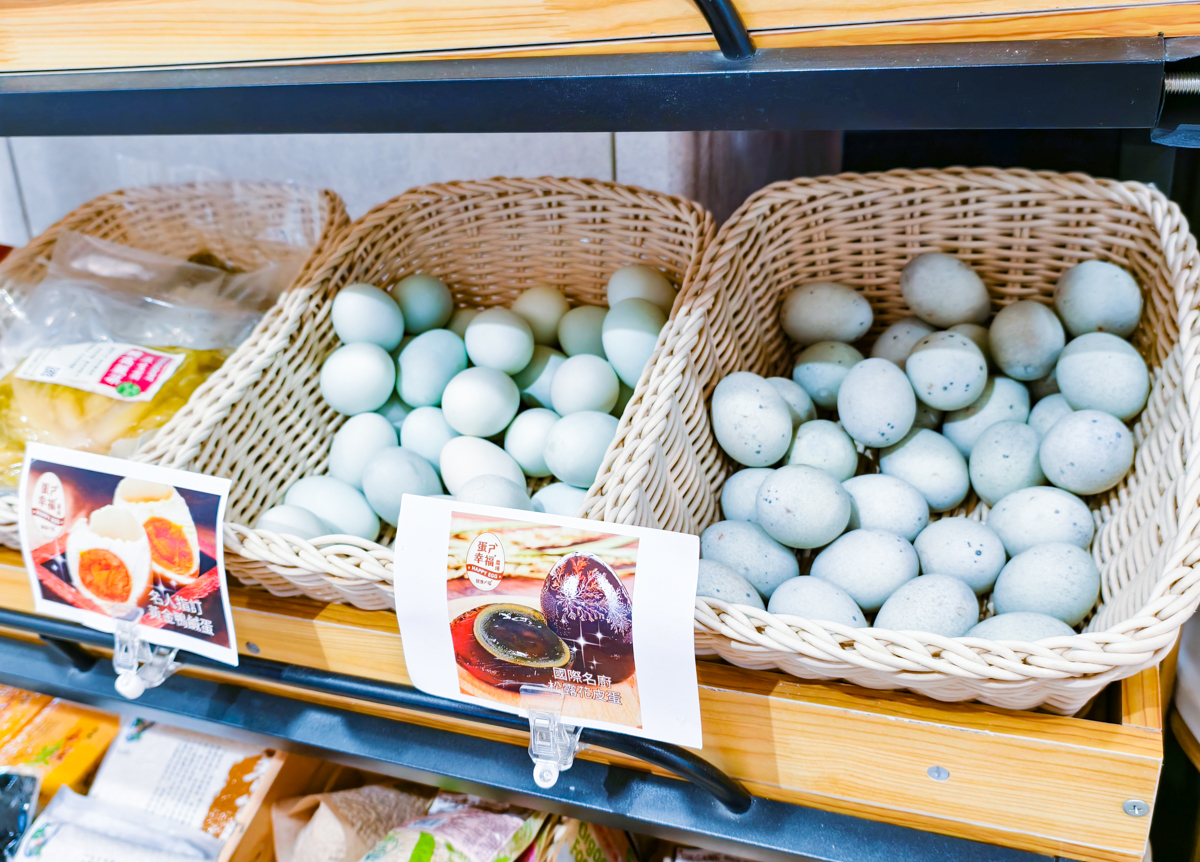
x=727, y=28
x=672, y=758
x=1072, y=84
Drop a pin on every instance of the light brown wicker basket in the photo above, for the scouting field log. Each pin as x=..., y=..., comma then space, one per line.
x=232, y=424
x=488, y=241
x=1019, y=230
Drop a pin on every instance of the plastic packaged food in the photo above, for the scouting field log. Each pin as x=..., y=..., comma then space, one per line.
x=76, y=828
x=63, y=744
x=114, y=340
x=18, y=799
x=461, y=829
x=17, y=709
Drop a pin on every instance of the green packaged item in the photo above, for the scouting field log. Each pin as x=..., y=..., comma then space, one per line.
x=456, y=832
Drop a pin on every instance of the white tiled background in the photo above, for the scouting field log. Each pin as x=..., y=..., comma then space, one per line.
x=42, y=179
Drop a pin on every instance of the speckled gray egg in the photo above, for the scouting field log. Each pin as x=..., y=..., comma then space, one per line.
x=800, y=405
x=1056, y=579
x=1005, y=459
x=1096, y=296
x=880, y=502
x=749, y=551
x=718, y=581
x=869, y=565
x=739, y=494
x=822, y=444
x=944, y=291
x=963, y=549
x=1036, y=516
x=876, y=404
x=802, y=507
x=978, y=334
x=931, y=464
x=1087, y=452
x=897, y=341
x=1099, y=371
x=1048, y=411
x=821, y=368
x=492, y=490
x=931, y=604
x=824, y=311
x=750, y=420
x=1003, y=400
x=1025, y=339
x=1023, y=626
x=947, y=371
x=817, y=600
x=535, y=379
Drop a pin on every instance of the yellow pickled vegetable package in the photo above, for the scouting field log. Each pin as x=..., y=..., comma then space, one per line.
x=114, y=340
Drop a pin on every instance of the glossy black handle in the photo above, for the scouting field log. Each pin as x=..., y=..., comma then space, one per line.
x=727, y=27
x=64, y=636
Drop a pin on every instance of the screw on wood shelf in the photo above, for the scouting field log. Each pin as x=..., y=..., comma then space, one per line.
x=1135, y=808
x=1182, y=83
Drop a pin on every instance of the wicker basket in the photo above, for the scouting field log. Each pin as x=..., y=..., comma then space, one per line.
x=1019, y=230
x=230, y=424
x=488, y=241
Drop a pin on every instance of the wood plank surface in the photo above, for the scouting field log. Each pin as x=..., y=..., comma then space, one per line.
x=1046, y=783
x=42, y=35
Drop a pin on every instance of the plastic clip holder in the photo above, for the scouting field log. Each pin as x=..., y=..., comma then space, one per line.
x=130, y=651
x=553, y=743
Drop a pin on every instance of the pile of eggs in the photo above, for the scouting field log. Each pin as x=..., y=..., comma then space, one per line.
x=1027, y=408
x=472, y=401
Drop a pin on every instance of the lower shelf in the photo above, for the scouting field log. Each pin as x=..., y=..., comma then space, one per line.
x=1033, y=782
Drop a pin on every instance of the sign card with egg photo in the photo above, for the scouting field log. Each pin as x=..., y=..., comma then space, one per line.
x=106, y=539
x=495, y=599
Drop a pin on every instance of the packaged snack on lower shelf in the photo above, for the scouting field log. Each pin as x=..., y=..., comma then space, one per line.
x=179, y=776
x=342, y=826
x=63, y=744
x=17, y=709
x=18, y=800
x=589, y=842
x=76, y=828
x=462, y=829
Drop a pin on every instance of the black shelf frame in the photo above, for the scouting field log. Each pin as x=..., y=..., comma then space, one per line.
x=1053, y=84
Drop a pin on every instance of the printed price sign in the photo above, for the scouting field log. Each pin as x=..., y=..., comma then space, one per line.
x=105, y=539
x=496, y=599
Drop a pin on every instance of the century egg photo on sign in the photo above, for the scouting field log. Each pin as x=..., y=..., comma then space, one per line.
x=559, y=614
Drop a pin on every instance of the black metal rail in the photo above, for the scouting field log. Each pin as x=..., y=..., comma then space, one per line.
x=727, y=28
x=65, y=637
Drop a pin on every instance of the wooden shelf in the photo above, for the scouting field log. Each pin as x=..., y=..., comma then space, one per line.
x=1027, y=780
x=107, y=34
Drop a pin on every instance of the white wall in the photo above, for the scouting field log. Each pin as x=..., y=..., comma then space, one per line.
x=42, y=179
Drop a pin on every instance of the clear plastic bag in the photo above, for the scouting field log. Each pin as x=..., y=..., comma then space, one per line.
x=114, y=340
x=18, y=799
x=76, y=828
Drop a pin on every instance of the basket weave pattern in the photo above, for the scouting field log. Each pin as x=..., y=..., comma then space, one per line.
x=233, y=423
x=1019, y=231
x=487, y=241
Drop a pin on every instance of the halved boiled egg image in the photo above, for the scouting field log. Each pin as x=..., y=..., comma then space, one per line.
x=108, y=556
x=164, y=515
